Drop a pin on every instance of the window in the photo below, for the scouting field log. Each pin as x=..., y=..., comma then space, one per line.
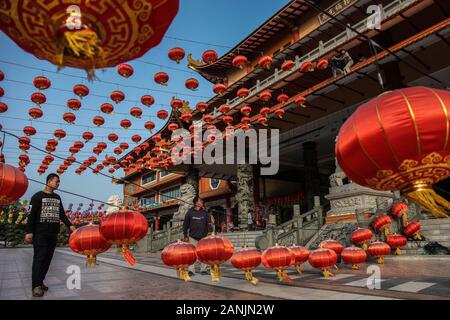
x=148, y=201
x=164, y=173
x=214, y=183
x=170, y=194
x=149, y=177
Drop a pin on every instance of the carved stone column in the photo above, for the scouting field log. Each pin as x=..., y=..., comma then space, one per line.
x=244, y=195
x=312, y=178
x=192, y=179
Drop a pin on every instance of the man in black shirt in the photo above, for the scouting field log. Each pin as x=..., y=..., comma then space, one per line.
x=197, y=222
x=46, y=210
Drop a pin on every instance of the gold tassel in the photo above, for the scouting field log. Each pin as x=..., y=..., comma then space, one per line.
x=427, y=198
x=183, y=274
x=249, y=277
x=216, y=273
x=82, y=42
x=355, y=267
x=386, y=231
x=298, y=267
x=336, y=267
x=283, y=275
x=380, y=260
x=327, y=273
x=398, y=252
x=417, y=236
x=364, y=246
x=91, y=261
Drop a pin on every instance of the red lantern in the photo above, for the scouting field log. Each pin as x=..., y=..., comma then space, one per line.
x=125, y=123
x=69, y=117
x=263, y=111
x=396, y=241
x=300, y=101
x=209, y=56
x=136, y=138
x=228, y=120
x=102, y=145
x=287, y=65
x=246, y=110
x=38, y=98
x=278, y=258
x=219, y=88
x=379, y=250
x=265, y=62
x=265, y=96
x=87, y=136
x=323, y=259
x=41, y=83
x=88, y=241
x=125, y=70
x=208, y=118
x=98, y=121
x=224, y=108
x=52, y=142
x=280, y=113
x=354, y=256
x=161, y=78
x=334, y=245
x=240, y=61
x=176, y=54
x=382, y=223
x=29, y=130
x=186, y=117
x=149, y=125
x=136, y=112
x=147, y=100
x=117, y=96
x=361, y=236
x=176, y=103
x=73, y=150
x=156, y=138
x=123, y=146
x=243, y=93
x=13, y=184
x=107, y=108
x=191, y=84
x=179, y=255
x=214, y=250
x=398, y=209
x=59, y=134
x=173, y=126
x=307, y=66
x=301, y=255
x=74, y=104
x=35, y=113
x=24, y=160
x=48, y=159
x=2, y=75
x=322, y=64
x=124, y=228
x=81, y=90
x=245, y=127
x=92, y=160
x=412, y=230
x=201, y=106
x=247, y=259
x=282, y=98
x=113, y=137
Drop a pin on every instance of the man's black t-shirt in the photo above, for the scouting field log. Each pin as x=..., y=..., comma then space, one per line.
x=46, y=212
x=198, y=223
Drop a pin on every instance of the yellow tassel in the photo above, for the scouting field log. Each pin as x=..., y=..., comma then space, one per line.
x=183, y=274
x=397, y=251
x=249, y=277
x=417, y=236
x=91, y=261
x=82, y=42
x=386, y=231
x=380, y=260
x=327, y=273
x=427, y=198
x=355, y=267
x=364, y=246
x=298, y=267
x=216, y=273
x=283, y=275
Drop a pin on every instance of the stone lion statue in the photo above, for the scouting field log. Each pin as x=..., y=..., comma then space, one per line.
x=186, y=202
x=115, y=203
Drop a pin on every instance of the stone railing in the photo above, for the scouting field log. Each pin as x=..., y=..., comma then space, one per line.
x=157, y=240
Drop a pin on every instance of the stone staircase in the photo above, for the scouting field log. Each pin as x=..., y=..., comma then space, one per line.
x=437, y=230
x=239, y=239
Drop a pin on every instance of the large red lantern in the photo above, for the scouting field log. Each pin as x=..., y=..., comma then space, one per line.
x=176, y=54
x=278, y=258
x=107, y=108
x=13, y=184
x=399, y=141
x=98, y=121
x=323, y=259
x=147, y=100
x=361, y=236
x=334, y=245
x=40, y=82
x=301, y=255
x=209, y=56
x=214, y=251
x=379, y=250
x=88, y=241
x=125, y=123
x=81, y=90
x=247, y=259
x=74, y=104
x=240, y=61
x=354, y=256
x=117, y=96
x=124, y=228
x=382, y=223
x=38, y=98
x=179, y=255
x=412, y=229
x=35, y=113
x=161, y=78
x=396, y=241
x=162, y=114
x=125, y=70
x=69, y=117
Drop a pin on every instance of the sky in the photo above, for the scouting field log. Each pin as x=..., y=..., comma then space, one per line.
x=220, y=24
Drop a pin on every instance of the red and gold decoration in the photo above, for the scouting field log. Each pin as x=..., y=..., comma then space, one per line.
x=162, y=114
x=240, y=61
x=219, y=88
x=88, y=241
x=412, y=230
x=243, y=93
x=74, y=104
x=107, y=108
x=400, y=141
x=334, y=245
x=176, y=54
x=400, y=210
x=161, y=78
x=301, y=256
x=40, y=82
x=361, y=236
x=147, y=100
x=307, y=66
x=69, y=117
x=354, y=256
x=322, y=64
x=191, y=84
x=179, y=255
x=38, y=98
x=379, y=250
x=125, y=70
x=323, y=259
x=117, y=96
x=382, y=223
x=81, y=90
x=201, y=106
x=396, y=241
x=265, y=62
x=247, y=259
x=209, y=56
x=13, y=184
x=214, y=250
x=278, y=258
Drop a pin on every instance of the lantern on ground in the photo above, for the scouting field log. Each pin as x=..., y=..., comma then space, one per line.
x=379, y=250
x=179, y=255
x=382, y=223
x=301, y=255
x=247, y=259
x=323, y=259
x=88, y=241
x=396, y=241
x=214, y=250
x=354, y=256
x=278, y=258
x=412, y=229
x=361, y=236
x=399, y=210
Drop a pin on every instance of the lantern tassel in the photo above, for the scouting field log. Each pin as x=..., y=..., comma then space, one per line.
x=183, y=274
x=249, y=277
x=128, y=256
x=429, y=199
x=386, y=231
x=283, y=275
x=298, y=267
x=336, y=267
x=91, y=261
x=327, y=273
x=380, y=260
x=417, y=236
x=398, y=251
x=355, y=267
x=364, y=246
x=216, y=273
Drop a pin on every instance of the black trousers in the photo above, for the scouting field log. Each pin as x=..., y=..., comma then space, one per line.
x=44, y=246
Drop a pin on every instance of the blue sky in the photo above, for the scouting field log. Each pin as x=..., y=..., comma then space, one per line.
x=223, y=23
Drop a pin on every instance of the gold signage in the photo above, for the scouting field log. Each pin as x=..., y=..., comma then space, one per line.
x=335, y=9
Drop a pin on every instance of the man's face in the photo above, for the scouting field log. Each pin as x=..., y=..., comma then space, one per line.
x=53, y=183
x=199, y=203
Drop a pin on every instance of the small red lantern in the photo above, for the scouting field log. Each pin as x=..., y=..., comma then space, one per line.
x=240, y=61
x=247, y=259
x=81, y=90
x=162, y=114
x=246, y=110
x=243, y=93
x=280, y=113
x=214, y=251
x=87, y=136
x=78, y=144
x=191, y=84
x=117, y=96
x=38, y=98
x=149, y=125
x=2, y=75
x=354, y=256
x=136, y=138
x=25, y=140
x=263, y=121
x=300, y=101
x=287, y=65
x=323, y=259
x=176, y=54
x=282, y=98
x=98, y=121
x=59, y=134
x=412, y=229
x=73, y=150
x=74, y=104
x=265, y=62
x=224, y=108
x=156, y=138
x=111, y=170
x=278, y=258
x=176, y=103
x=382, y=223
x=107, y=108
x=379, y=250
x=209, y=56
x=245, y=120
x=301, y=255
x=123, y=146
x=118, y=151
x=396, y=241
x=113, y=137
x=228, y=120
x=263, y=111
x=125, y=123
x=322, y=64
x=307, y=66
x=361, y=236
x=35, y=113
x=208, y=118
x=219, y=88
x=29, y=130
x=124, y=228
x=179, y=255
x=125, y=70
x=186, y=117
x=265, y=96
x=147, y=100
x=400, y=209
x=13, y=184
x=41, y=83
x=161, y=78
x=69, y=117
x=88, y=241
x=173, y=126
x=136, y=112
x=201, y=106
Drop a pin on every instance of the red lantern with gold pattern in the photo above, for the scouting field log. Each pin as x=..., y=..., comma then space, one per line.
x=278, y=258
x=247, y=259
x=117, y=96
x=362, y=236
x=35, y=113
x=81, y=90
x=136, y=112
x=354, y=256
x=161, y=78
x=301, y=255
x=176, y=54
x=323, y=259
x=147, y=100
x=379, y=250
x=125, y=70
x=399, y=141
x=191, y=84
x=219, y=88
x=98, y=121
x=240, y=61
x=40, y=82
x=38, y=98
x=13, y=184
x=88, y=241
x=69, y=117
x=107, y=108
x=214, y=250
x=179, y=255
x=209, y=56
x=162, y=114
x=124, y=228
x=29, y=130
x=412, y=229
x=74, y=104
x=396, y=241
x=382, y=223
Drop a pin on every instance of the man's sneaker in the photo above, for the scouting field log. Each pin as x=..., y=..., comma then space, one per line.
x=38, y=292
x=44, y=287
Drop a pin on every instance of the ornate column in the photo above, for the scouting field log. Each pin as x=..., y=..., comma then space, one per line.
x=311, y=178
x=244, y=194
x=193, y=179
